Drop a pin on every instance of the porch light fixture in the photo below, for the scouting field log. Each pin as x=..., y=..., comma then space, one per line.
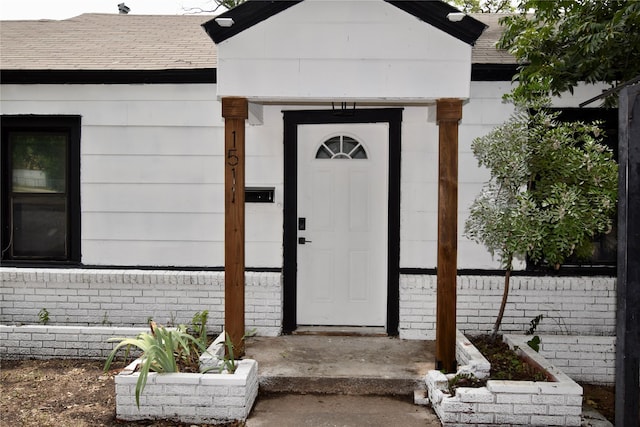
x=455, y=16
x=224, y=22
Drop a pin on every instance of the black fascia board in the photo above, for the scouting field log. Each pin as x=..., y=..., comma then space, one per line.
x=435, y=12
x=245, y=16
x=193, y=75
x=493, y=72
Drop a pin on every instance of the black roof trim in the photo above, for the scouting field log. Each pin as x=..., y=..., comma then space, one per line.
x=245, y=16
x=433, y=12
x=198, y=75
x=479, y=72
x=493, y=72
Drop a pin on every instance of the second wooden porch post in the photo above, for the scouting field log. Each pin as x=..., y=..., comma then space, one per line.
x=235, y=112
x=449, y=112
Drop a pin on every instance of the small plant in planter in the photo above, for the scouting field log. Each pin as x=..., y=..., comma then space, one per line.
x=163, y=351
x=184, y=380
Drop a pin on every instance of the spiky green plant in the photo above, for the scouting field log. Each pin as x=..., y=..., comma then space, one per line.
x=161, y=351
x=199, y=326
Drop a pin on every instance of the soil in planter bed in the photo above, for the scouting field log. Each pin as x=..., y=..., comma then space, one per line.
x=602, y=398
x=63, y=392
x=505, y=363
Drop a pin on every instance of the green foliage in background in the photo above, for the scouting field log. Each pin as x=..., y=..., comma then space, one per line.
x=560, y=43
x=483, y=6
x=553, y=187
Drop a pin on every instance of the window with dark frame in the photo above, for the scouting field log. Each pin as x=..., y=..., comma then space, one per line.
x=40, y=189
x=604, y=253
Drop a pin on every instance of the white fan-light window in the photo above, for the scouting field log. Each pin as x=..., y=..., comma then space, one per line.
x=341, y=147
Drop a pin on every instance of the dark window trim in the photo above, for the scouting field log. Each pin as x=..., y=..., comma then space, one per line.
x=178, y=76
x=392, y=116
x=71, y=124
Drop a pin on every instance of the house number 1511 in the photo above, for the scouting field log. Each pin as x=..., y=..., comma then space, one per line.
x=232, y=161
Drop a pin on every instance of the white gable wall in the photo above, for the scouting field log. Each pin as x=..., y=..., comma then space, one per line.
x=352, y=50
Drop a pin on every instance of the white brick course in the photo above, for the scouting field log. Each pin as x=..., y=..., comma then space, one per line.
x=131, y=297
x=570, y=305
x=41, y=342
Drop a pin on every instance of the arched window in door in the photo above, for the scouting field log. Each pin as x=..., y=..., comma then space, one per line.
x=341, y=147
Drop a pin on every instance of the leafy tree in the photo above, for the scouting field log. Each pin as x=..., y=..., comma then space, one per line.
x=553, y=187
x=215, y=6
x=483, y=6
x=564, y=42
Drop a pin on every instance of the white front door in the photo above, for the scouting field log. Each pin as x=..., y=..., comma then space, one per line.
x=342, y=224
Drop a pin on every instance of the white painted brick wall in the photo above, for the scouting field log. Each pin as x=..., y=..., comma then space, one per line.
x=99, y=297
x=570, y=305
x=131, y=297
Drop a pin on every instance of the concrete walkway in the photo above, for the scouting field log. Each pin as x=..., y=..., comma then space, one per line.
x=316, y=380
x=338, y=410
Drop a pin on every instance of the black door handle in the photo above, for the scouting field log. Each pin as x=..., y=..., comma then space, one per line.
x=303, y=241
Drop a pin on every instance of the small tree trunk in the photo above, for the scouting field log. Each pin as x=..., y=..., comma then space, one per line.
x=505, y=296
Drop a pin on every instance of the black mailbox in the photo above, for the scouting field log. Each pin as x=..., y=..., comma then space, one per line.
x=259, y=194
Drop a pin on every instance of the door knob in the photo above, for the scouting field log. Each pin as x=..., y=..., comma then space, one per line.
x=303, y=241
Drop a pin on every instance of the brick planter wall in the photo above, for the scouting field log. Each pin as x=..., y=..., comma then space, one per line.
x=557, y=403
x=189, y=397
x=588, y=359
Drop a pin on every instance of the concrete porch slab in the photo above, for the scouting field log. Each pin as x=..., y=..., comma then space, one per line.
x=355, y=365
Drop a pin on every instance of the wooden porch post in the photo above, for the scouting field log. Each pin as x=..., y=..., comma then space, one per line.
x=235, y=112
x=449, y=112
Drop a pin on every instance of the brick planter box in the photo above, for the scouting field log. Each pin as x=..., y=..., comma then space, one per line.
x=554, y=403
x=189, y=397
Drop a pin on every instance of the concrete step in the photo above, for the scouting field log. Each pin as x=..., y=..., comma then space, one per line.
x=352, y=365
x=337, y=385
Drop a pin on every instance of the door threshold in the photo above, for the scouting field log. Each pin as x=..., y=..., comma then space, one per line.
x=347, y=331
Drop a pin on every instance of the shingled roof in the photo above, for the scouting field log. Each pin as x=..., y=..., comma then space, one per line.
x=484, y=51
x=114, y=42
x=107, y=42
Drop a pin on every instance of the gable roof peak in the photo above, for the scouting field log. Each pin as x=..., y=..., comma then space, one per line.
x=433, y=12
